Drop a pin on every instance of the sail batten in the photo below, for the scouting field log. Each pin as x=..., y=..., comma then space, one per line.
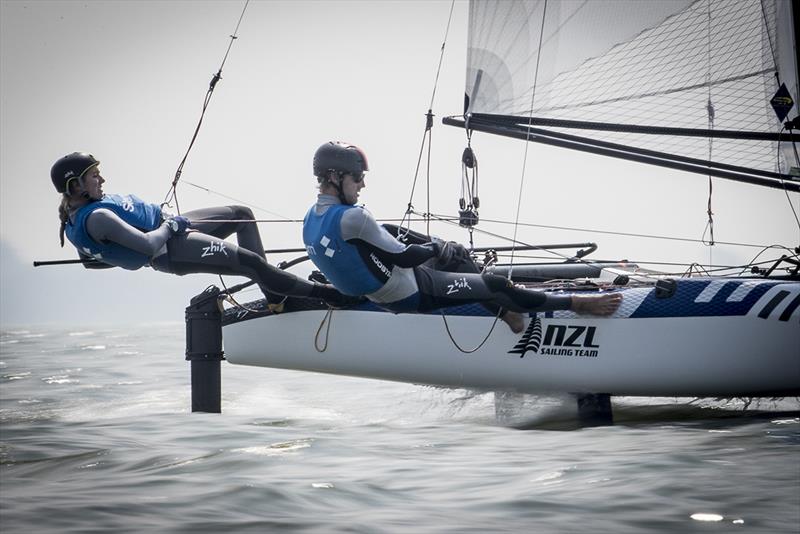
x=705, y=65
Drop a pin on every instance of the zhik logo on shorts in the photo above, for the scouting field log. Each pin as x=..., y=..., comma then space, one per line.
x=457, y=285
x=214, y=248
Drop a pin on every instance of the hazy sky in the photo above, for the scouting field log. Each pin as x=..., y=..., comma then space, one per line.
x=125, y=81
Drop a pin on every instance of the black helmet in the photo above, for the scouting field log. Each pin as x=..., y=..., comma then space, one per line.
x=341, y=158
x=70, y=167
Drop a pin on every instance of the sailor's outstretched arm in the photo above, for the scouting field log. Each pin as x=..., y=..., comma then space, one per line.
x=358, y=227
x=104, y=225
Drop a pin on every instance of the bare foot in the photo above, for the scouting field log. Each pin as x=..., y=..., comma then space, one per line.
x=514, y=320
x=603, y=304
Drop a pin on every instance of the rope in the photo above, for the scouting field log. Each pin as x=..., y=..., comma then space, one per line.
x=763, y=251
x=329, y=319
x=455, y=343
x=172, y=194
x=229, y=297
x=428, y=175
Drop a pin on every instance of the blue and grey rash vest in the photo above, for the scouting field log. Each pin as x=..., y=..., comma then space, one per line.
x=358, y=255
x=133, y=211
x=338, y=260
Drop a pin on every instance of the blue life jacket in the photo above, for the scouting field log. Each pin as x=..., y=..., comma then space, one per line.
x=338, y=260
x=131, y=209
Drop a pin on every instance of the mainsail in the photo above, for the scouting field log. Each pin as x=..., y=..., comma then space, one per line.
x=679, y=83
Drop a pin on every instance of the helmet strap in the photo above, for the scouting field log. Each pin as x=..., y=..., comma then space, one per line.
x=79, y=188
x=338, y=185
x=84, y=194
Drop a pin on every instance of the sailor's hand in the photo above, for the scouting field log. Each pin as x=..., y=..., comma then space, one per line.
x=336, y=299
x=178, y=224
x=345, y=301
x=604, y=304
x=448, y=251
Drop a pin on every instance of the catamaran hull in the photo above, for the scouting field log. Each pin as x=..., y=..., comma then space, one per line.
x=642, y=350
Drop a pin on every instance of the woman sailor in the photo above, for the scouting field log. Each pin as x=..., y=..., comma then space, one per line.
x=360, y=257
x=124, y=231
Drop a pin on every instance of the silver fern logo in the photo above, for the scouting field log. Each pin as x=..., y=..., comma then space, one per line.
x=558, y=340
x=530, y=340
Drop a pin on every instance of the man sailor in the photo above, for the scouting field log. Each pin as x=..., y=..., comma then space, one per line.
x=360, y=257
x=124, y=231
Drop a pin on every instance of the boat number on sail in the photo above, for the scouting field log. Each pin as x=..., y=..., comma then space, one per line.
x=558, y=340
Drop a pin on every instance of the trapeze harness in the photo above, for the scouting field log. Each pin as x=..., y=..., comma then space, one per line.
x=360, y=257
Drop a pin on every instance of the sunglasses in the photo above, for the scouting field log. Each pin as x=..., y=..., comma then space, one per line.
x=357, y=177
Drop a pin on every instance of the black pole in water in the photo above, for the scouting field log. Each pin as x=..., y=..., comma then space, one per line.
x=204, y=350
x=594, y=409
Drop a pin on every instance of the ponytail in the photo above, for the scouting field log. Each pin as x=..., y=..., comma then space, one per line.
x=63, y=215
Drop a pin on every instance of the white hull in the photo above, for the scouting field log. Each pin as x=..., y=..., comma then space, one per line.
x=653, y=356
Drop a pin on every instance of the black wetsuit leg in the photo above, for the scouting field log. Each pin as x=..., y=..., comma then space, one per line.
x=468, y=265
x=460, y=264
x=440, y=289
x=194, y=252
x=217, y=222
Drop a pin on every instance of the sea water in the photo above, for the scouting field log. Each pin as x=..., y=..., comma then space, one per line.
x=96, y=435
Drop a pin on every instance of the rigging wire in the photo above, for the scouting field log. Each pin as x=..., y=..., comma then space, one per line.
x=448, y=219
x=710, y=268
x=527, y=140
x=283, y=218
x=513, y=241
x=427, y=134
x=238, y=201
x=172, y=194
x=581, y=260
x=710, y=110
